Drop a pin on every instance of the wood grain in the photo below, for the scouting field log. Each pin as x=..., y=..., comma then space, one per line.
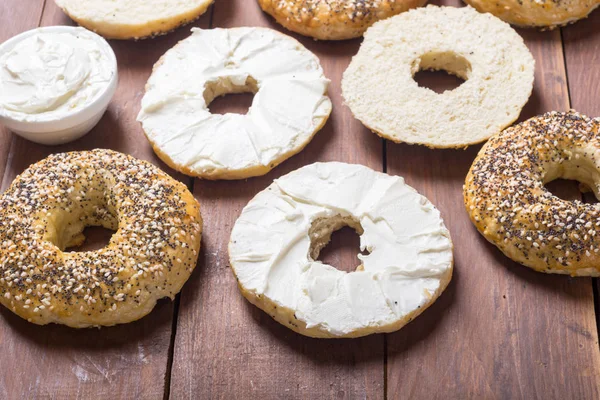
x=500, y=330
x=14, y=19
x=128, y=361
x=227, y=348
x=582, y=57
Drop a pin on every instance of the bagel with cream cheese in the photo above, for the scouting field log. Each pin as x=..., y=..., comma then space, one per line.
x=44, y=211
x=276, y=241
x=290, y=103
x=133, y=19
x=334, y=19
x=506, y=199
x=498, y=69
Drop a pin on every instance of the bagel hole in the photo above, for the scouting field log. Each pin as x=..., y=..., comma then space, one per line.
x=96, y=238
x=563, y=189
x=578, y=171
x=336, y=242
x=223, y=96
x=87, y=231
x=441, y=71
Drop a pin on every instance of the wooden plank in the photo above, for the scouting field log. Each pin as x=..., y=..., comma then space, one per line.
x=227, y=348
x=582, y=58
x=501, y=330
x=14, y=19
x=128, y=361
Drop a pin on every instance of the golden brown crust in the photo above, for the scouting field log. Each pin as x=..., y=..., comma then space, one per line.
x=334, y=19
x=150, y=29
x=506, y=199
x=44, y=211
x=547, y=14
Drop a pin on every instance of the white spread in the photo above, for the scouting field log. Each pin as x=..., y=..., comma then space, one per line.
x=51, y=74
x=289, y=106
x=410, y=248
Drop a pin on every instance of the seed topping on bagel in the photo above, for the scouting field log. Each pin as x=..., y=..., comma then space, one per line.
x=507, y=200
x=36, y=274
x=353, y=8
x=334, y=19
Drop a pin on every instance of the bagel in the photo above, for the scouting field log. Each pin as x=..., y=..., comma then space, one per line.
x=497, y=67
x=133, y=19
x=278, y=236
x=44, y=211
x=333, y=19
x=536, y=13
x=290, y=103
x=506, y=199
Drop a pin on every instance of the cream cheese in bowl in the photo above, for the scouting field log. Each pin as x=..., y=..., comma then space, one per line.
x=55, y=83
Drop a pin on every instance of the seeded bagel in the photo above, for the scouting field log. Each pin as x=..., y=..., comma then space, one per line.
x=536, y=13
x=133, y=19
x=44, y=211
x=497, y=67
x=334, y=19
x=508, y=203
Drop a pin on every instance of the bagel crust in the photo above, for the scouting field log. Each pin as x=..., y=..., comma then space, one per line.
x=334, y=19
x=44, y=211
x=535, y=13
x=380, y=90
x=506, y=199
x=133, y=19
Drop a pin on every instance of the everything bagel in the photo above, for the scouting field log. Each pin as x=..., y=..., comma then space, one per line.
x=506, y=199
x=536, y=13
x=334, y=19
x=44, y=211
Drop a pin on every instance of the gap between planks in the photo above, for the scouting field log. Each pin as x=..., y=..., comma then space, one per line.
x=176, y=303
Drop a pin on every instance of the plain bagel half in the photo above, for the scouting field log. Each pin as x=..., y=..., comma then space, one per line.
x=498, y=69
x=133, y=19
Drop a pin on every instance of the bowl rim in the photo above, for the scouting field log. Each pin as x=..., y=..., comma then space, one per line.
x=75, y=116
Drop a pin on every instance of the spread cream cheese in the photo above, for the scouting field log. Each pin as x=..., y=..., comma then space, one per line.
x=51, y=74
x=289, y=106
x=409, y=265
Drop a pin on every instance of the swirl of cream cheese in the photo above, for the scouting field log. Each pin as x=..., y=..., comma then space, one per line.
x=50, y=74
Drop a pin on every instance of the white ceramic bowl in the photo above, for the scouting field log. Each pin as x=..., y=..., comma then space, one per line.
x=70, y=126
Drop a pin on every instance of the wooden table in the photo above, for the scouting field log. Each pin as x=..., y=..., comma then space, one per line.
x=499, y=331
